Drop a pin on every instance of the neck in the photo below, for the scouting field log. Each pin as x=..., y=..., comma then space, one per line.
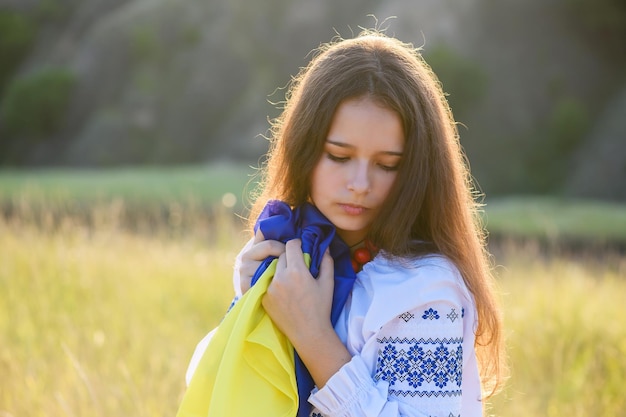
x=357, y=245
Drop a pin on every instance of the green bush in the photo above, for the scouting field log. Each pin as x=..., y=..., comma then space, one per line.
x=53, y=10
x=144, y=44
x=17, y=33
x=568, y=124
x=35, y=105
x=603, y=22
x=464, y=80
x=565, y=128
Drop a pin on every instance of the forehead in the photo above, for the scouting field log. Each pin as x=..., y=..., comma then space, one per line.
x=363, y=122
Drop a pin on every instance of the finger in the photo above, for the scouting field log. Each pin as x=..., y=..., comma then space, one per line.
x=328, y=262
x=263, y=249
x=293, y=252
x=327, y=268
x=281, y=264
x=253, y=257
x=248, y=269
x=258, y=236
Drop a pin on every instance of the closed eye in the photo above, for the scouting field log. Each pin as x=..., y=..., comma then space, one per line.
x=336, y=158
x=389, y=168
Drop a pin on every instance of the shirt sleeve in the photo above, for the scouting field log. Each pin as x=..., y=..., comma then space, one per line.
x=236, y=277
x=413, y=366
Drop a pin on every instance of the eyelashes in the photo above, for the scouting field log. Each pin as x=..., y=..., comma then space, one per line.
x=336, y=158
x=388, y=168
x=343, y=159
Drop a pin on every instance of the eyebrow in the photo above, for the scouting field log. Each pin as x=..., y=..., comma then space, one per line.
x=346, y=145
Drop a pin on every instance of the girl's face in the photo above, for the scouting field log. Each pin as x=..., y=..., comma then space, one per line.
x=359, y=165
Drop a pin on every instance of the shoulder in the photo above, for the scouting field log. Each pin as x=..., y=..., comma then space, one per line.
x=387, y=288
x=417, y=273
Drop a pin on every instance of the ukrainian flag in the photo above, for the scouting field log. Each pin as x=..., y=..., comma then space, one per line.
x=249, y=367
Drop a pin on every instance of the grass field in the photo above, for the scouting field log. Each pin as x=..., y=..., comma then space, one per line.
x=159, y=194
x=204, y=184
x=102, y=322
x=97, y=319
x=566, y=334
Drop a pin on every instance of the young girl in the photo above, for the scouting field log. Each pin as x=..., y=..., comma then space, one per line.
x=367, y=137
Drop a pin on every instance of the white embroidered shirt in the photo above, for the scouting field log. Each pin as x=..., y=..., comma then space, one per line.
x=409, y=327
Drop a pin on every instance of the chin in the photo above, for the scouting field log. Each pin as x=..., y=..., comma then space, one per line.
x=349, y=232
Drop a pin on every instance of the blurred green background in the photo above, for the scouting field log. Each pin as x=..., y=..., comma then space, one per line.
x=539, y=87
x=131, y=131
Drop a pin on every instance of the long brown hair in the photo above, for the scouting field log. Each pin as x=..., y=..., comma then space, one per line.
x=432, y=205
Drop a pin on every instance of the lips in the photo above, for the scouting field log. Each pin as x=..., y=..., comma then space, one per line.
x=352, y=209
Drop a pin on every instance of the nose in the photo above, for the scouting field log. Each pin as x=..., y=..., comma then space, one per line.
x=360, y=179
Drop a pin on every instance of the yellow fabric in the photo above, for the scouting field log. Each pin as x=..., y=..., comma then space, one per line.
x=248, y=366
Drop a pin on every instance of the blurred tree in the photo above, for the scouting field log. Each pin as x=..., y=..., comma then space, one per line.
x=17, y=35
x=604, y=25
x=463, y=80
x=568, y=124
x=34, y=106
x=162, y=81
x=561, y=134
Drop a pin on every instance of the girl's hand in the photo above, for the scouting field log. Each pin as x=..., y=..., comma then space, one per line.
x=300, y=306
x=298, y=303
x=252, y=258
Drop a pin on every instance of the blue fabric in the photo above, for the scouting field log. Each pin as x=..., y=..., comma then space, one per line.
x=279, y=222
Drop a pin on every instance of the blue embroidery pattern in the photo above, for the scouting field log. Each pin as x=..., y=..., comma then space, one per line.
x=430, y=314
x=421, y=367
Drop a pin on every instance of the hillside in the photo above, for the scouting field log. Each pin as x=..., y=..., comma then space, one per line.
x=118, y=82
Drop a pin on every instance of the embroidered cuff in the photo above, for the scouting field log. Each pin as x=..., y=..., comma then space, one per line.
x=351, y=388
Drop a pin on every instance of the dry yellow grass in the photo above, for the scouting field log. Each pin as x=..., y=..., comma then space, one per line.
x=102, y=322
x=566, y=329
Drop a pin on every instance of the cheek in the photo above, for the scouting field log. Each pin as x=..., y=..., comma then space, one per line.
x=386, y=184
x=318, y=180
x=323, y=176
